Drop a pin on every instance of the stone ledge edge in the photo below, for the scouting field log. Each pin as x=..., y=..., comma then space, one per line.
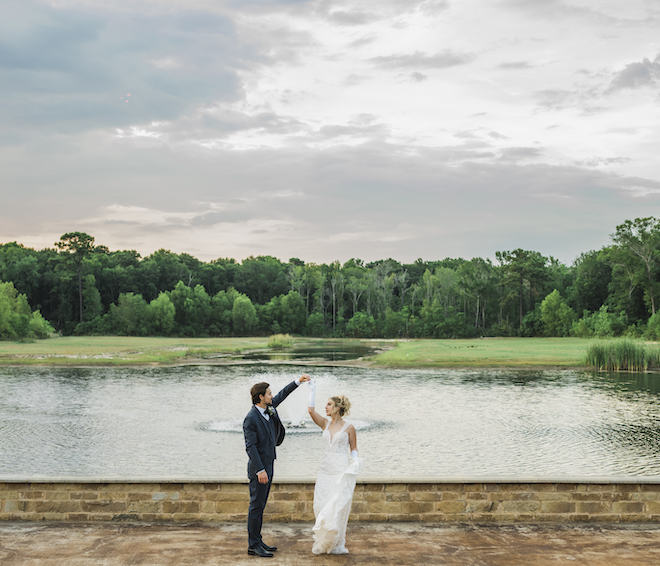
x=293, y=480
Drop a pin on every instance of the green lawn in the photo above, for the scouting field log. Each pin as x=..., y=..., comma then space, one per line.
x=487, y=352
x=124, y=350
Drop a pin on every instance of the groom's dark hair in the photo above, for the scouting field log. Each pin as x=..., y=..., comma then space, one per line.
x=257, y=390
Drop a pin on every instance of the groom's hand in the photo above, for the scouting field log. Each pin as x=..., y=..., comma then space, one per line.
x=304, y=378
x=262, y=477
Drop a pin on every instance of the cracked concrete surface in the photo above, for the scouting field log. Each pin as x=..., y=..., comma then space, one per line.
x=406, y=544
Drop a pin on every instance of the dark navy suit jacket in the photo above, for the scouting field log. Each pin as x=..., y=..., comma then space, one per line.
x=261, y=435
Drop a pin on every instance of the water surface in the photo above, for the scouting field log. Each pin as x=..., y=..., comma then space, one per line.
x=438, y=423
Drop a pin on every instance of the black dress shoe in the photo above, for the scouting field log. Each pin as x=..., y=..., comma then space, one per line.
x=259, y=551
x=268, y=548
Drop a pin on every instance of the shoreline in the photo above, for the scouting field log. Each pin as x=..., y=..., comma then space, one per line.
x=522, y=354
x=358, y=364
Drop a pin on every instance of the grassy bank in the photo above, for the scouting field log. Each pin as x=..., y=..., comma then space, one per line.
x=121, y=350
x=487, y=352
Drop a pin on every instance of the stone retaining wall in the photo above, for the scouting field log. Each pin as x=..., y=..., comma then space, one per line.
x=602, y=501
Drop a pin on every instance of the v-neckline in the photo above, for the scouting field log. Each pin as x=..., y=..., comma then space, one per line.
x=332, y=436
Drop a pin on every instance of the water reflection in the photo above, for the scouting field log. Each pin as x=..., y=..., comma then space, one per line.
x=631, y=382
x=328, y=351
x=188, y=420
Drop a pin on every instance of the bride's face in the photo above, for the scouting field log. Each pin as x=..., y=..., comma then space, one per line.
x=331, y=408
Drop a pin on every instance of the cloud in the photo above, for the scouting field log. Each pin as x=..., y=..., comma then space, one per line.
x=419, y=60
x=66, y=69
x=556, y=99
x=351, y=18
x=355, y=80
x=641, y=74
x=266, y=5
x=385, y=200
x=364, y=12
x=641, y=188
x=592, y=91
x=359, y=131
x=516, y=65
x=418, y=77
x=605, y=13
x=520, y=153
x=469, y=135
x=434, y=6
x=584, y=99
x=222, y=127
x=362, y=41
x=142, y=216
x=600, y=161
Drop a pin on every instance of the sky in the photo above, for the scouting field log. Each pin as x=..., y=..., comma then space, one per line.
x=327, y=129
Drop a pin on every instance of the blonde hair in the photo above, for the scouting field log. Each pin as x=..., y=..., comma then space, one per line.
x=343, y=404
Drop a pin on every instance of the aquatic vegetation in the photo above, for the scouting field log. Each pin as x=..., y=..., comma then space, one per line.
x=280, y=341
x=623, y=355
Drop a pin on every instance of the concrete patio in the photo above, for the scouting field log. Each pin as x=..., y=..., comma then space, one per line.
x=406, y=544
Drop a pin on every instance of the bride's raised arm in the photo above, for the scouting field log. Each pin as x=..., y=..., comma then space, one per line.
x=311, y=405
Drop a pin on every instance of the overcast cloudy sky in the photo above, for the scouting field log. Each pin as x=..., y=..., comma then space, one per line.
x=329, y=129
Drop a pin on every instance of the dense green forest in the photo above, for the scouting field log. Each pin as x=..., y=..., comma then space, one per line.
x=78, y=287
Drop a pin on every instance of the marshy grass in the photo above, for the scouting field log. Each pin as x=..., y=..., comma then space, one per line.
x=623, y=355
x=280, y=341
x=122, y=350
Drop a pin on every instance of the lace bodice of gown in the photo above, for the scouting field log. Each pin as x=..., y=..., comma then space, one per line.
x=335, y=458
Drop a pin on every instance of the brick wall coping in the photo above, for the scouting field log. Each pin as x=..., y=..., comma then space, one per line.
x=589, y=480
x=467, y=499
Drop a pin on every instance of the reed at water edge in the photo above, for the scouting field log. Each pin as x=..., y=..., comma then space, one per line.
x=280, y=341
x=623, y=355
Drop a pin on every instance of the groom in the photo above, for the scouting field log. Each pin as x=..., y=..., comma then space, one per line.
x=263, y=430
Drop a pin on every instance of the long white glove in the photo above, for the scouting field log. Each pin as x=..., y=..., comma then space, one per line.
x=312, y=394
x=354, y=454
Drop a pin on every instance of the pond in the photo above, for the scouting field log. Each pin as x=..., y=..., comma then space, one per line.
x=309, y=353
x=411, y=423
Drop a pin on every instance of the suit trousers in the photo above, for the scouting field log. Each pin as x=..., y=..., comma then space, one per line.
x=258, y=498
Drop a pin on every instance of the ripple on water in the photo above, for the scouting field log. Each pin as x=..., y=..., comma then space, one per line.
x=303, y=427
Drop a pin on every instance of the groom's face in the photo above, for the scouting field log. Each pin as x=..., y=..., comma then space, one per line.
x=267, y=398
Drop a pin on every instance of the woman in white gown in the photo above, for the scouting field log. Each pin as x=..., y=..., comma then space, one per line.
x=335, y=483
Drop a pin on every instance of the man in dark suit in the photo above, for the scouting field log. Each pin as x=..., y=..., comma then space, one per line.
x=263, y=431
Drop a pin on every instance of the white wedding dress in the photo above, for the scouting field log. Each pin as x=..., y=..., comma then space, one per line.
x=333, y=493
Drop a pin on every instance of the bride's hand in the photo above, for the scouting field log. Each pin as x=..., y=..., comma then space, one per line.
x=312, y=385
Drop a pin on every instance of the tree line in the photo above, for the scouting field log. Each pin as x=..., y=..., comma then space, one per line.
x=78, y=287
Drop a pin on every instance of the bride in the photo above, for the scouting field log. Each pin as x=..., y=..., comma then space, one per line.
x=335, y=483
